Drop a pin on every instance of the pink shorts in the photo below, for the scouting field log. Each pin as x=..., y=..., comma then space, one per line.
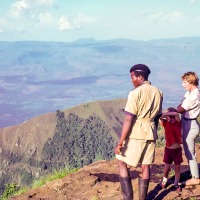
x=173, y=155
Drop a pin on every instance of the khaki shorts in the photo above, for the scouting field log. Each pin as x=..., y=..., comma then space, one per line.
x=137, y=152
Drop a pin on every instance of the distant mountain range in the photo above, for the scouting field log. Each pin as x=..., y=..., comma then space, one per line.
x=42, y=77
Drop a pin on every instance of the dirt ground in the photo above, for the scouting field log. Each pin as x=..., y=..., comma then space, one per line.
x=99, y=181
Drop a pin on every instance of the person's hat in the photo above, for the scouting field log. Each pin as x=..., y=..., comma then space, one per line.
x=140, y=68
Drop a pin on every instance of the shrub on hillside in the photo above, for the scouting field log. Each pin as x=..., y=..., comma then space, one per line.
x=78, y=142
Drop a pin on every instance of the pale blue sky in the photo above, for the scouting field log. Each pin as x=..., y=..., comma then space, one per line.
x=68, y=20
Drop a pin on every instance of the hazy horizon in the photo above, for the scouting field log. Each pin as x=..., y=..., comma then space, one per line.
x=41, y=77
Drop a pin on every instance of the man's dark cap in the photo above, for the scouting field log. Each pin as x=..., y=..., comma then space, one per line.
x=140, y=68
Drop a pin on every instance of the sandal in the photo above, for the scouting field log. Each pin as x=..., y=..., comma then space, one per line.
x=193, y=181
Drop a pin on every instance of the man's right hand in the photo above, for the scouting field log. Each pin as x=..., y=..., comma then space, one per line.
x=118, y=149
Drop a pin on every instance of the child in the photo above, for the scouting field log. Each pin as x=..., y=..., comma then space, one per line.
x=173, y=152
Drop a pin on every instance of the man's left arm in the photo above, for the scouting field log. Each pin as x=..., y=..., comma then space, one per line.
x=156, y=120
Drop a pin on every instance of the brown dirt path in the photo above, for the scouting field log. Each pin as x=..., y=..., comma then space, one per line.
x=99, y=181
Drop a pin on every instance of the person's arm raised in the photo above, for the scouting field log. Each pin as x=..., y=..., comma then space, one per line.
x=180, y=109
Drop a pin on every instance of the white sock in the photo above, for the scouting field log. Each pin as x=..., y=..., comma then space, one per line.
x=165, y=180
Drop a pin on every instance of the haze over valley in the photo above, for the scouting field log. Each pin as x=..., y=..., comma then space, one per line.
x=41, y=77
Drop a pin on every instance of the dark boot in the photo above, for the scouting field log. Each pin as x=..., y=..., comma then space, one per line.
x=127, y=188
x=143, y=185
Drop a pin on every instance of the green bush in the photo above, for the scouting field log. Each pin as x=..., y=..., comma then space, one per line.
x=9, y=191
x=77, y=142
x=26, y=177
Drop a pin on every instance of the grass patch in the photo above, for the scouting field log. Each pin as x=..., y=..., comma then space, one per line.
x=9, y=191
x=172, y=173
x=51, y=177
x=95, y=198
x=13, y=190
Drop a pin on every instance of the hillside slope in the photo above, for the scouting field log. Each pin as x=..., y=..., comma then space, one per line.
x=99, y=181
x=73, y=137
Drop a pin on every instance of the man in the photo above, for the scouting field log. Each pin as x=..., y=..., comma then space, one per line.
x=139, y=132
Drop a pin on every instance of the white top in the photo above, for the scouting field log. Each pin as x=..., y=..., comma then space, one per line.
x=191, y=103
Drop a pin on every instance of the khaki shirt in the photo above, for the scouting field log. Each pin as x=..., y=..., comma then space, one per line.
x=145, y=102
x=191, y=103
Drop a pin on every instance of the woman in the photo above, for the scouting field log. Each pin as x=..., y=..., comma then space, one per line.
x=190, y=109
